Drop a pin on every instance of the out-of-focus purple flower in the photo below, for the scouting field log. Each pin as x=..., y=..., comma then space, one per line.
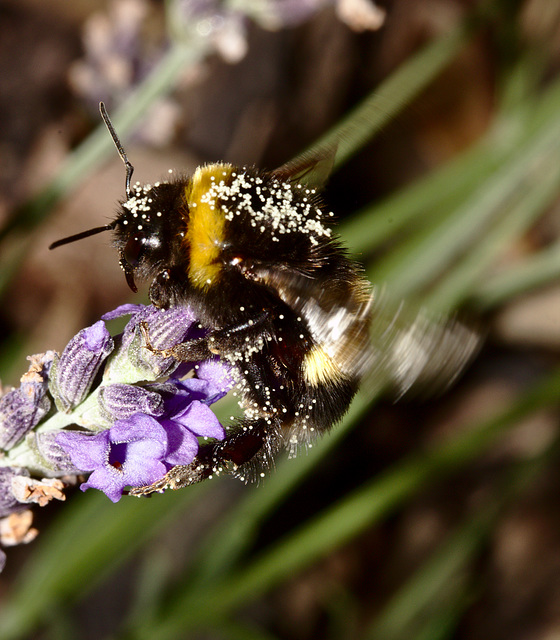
x=359, y=15
x=74, y=372
x=23, y=408
x=223, y=27
x=116, y=56
x=287, y=13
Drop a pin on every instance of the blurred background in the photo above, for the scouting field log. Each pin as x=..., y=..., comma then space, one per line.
x=433, y=518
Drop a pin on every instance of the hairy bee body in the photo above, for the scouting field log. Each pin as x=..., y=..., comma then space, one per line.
x=253, y=254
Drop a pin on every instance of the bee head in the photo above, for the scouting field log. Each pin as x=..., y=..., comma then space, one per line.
x=145, y=224
x=145, y=230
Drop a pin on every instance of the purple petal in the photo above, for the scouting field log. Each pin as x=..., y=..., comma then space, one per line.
x=95, y=338
x=112, y=481
x=178, y=397
x=123, y=310
x=134, y=458
x=212, y=382
x=110, y=484
x=86, y=451
x=183, y=445
x=130, y=453
x=215, y=384
x=201, y=420
x=140, y=427
x=216, y=373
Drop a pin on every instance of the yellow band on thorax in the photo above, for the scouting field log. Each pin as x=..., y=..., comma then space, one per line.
x=205, y=233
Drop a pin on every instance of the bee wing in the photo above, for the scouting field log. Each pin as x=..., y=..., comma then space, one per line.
x=370, y=336
x=312, y=169
x=413, y=348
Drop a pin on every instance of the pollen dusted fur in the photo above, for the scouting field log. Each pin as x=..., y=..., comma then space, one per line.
x=253, y=254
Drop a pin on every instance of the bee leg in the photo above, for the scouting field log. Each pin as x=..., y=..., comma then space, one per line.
x=221, y=341
x=190, y=351
x=236, y=337
x=248, y=444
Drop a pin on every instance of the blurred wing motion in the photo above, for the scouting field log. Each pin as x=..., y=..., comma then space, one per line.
x=416, y=349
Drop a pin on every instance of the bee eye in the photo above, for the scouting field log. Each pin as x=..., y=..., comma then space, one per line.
x=133, y=249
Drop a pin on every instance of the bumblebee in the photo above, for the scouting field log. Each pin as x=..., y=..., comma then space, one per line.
x=253, y=254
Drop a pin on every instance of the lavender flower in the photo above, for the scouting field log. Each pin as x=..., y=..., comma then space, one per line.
x=107, y=407
x=131, y=452
x=142, y=446
x=74, y=372
x=21, y=409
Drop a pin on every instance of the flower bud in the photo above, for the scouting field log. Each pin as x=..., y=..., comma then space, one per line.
x=118, y=401
x=74, y=372
x=23, y=408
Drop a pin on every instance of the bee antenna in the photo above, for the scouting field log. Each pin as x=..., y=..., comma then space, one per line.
x=83, y=234
x=120, y=148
